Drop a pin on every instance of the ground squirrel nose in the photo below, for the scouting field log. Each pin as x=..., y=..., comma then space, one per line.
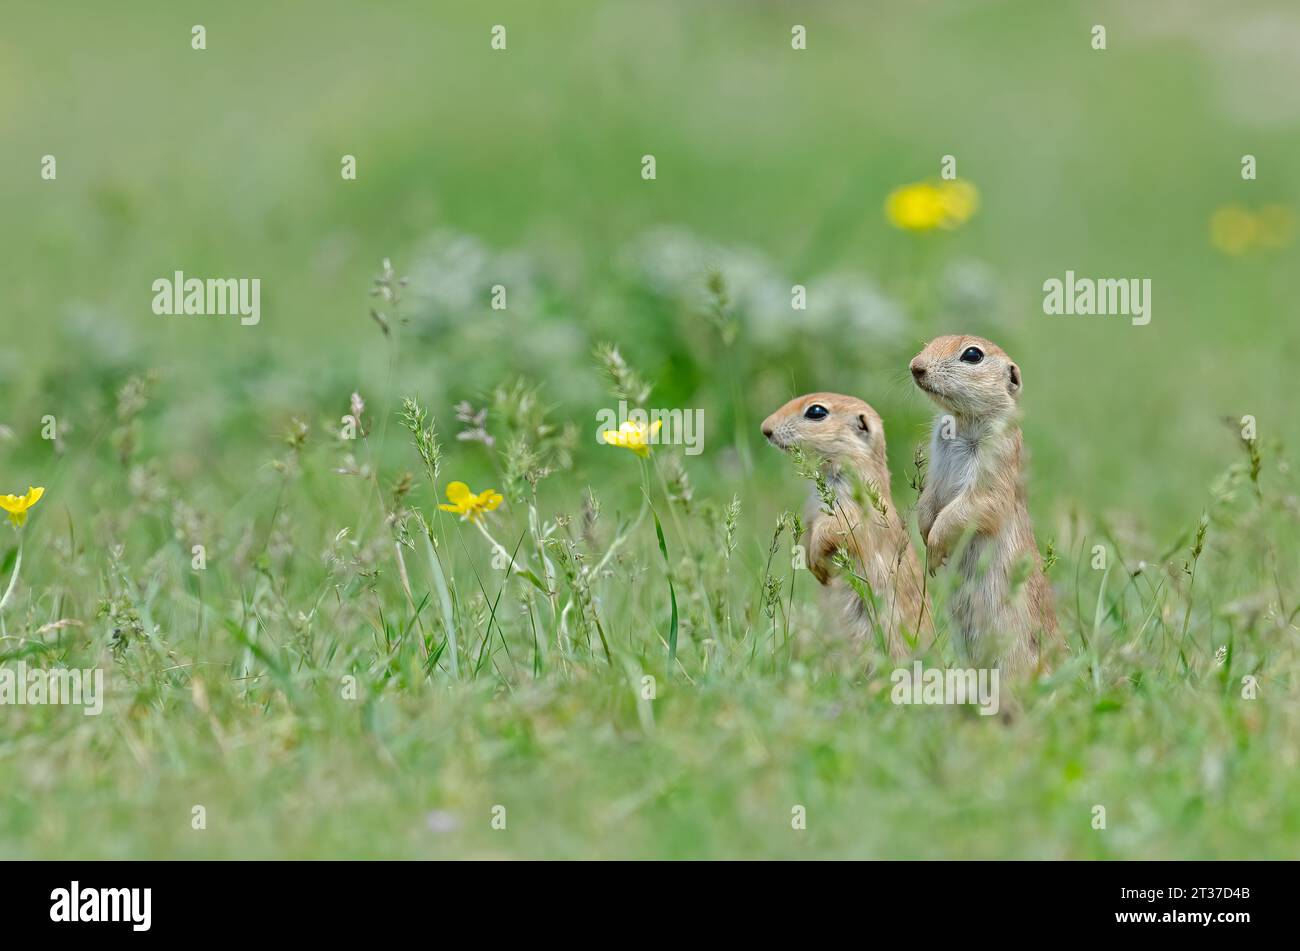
x=918, y=371
x=767, y=431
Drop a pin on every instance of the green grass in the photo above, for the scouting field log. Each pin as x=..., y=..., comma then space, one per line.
x=228, y=688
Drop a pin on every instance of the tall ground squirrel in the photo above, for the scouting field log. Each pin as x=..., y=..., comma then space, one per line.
x=1002, y=608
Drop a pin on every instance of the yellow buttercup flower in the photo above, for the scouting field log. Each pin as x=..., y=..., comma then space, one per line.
x=924, y=206
x=914, y=207
x=1233, y=229
x=634, y=436
x=1236, y=230
x=468, y=505
x=17, y=505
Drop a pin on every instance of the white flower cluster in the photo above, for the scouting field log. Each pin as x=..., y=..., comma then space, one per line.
x=453, y=274
x=675, y=264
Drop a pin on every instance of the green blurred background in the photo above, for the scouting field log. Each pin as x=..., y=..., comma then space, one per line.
x=225, y=162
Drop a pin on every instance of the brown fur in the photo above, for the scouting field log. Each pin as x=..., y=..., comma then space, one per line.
x=852, y=442
x=975, y=497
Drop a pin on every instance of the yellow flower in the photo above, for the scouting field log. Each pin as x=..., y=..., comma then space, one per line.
x=468, y=505
x=924, y=206
x=1236, y=230
x=914, y=207
x=634, y=436
x=1232, y=229
x=17, y=505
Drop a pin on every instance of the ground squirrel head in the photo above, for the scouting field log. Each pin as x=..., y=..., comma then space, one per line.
x=841, y=429
x=969, y=376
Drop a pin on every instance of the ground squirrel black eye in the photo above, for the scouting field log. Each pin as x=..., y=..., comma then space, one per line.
x=972, y=355
x=816, y=411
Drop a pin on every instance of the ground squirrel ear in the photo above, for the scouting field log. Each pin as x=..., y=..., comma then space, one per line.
x=863, y=424
x=1014, y=386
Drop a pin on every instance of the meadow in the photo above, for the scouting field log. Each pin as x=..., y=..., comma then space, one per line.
x=305, y=656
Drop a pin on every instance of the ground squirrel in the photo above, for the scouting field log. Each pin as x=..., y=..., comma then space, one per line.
x=849, y=436
x=1002, y=608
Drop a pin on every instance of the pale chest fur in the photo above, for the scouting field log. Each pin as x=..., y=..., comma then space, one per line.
x=954, y=464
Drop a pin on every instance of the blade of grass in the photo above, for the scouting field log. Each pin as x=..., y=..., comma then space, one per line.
x=444, y=602
x=672, y=592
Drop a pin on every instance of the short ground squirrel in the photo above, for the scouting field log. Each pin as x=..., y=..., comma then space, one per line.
x=847, y=434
